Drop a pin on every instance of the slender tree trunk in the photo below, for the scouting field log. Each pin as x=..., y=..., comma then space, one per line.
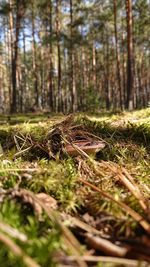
x=34, y=61
x=124, y=93
x=84, y=79
x=107, y=74
x=42, y=71
x=117, y=55
x=1, y=89
x=24, y=89
x=94, y=67
x=73, y=85
x=19, y=14
x=129, y=100
x=59, y=81
x=7, y=57
x=50, y=75
x=12, y=37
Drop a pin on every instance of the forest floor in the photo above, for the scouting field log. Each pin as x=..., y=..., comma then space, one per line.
x=75, y=190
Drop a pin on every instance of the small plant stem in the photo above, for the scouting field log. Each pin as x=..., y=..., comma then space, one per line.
x=128, y=182
x=18, y=251
x=133, y=214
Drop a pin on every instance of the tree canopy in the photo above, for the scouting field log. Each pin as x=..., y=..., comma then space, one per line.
x=68, y=56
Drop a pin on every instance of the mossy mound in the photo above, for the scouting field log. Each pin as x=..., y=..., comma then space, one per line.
x=99, y=202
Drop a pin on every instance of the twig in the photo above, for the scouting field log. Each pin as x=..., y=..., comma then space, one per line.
x=12, y=232
x=133, y=214
x=115, y=260
x=128, y=182
x=81, y=152
x=18, y=154
x=84, y=226
x=70, y=239
x=106, y=246
x=18, y=251
x=20, y=170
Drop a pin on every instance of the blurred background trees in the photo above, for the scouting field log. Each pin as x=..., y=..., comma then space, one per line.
x=74, y=55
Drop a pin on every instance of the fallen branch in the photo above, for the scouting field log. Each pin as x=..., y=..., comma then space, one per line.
x=106, y=246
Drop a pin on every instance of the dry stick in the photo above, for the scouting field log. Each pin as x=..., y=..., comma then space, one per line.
x=18, y=251
x=22, y=151
x=93, y=135
x=133, y=182
x=129, y=184
x=21, y=170
x=24, y=139
x=73, y=243
x=23, y=145
x=147, y=189
x=84, y=226
x=115, y=260
x=74, y=251
x=81, y=152
x=134, y=190
x=133, y=214
x=6, y=228
x=101, y=139
x=16, y=143
x=106, y=246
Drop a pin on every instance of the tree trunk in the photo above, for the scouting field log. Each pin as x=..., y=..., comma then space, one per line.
x=50, y=75
x=12, y=37
x=117, y=55
x=59, y=81
x=24, y=89
x=94, y=67
x=124, y=93
x=107, y=74
x=129, y=100
x=83, y=80
x=19, y=14
x=34, y=62
x=73, y=85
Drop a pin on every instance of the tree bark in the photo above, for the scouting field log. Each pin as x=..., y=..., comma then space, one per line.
x=94, y=67
x=129, y=100
x=59, y=80
x=117, y=55
x=107, y=74
x=34, y=60
x=73, y=85
x=50, y=75
x=20, y=9
x=12, y=37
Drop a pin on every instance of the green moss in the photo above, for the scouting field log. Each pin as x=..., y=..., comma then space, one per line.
x=127, y=137
x=41, y=242
x=58, y=179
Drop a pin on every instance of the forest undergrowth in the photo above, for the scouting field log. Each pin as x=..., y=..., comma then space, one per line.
x=63, y=205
